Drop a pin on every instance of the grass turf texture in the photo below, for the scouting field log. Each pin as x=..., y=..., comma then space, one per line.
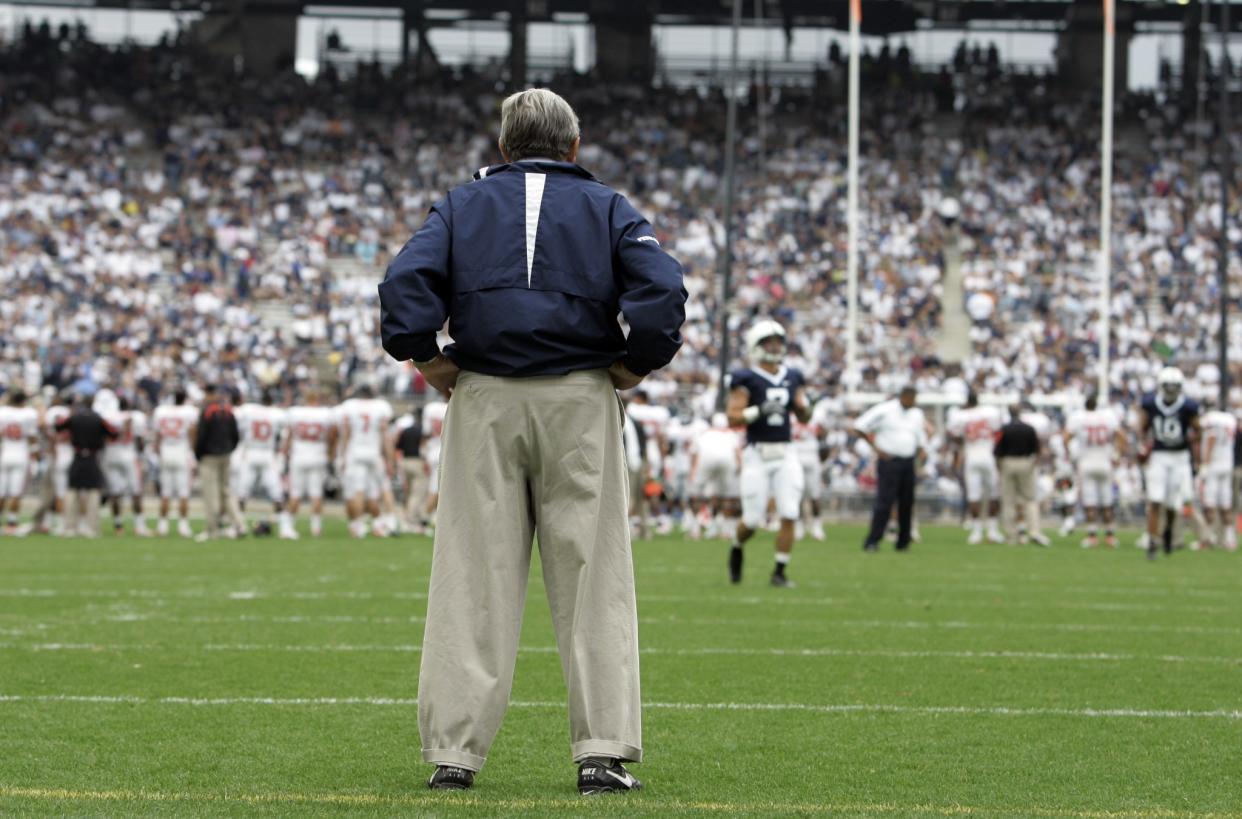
x=954, y=680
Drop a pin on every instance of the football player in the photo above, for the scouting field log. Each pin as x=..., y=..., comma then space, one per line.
x=368, y=472
x=58, y=455
x=262, y=427
x=19, y=438
x=715, y=460
x=1219, y=431
x=763, y=398
x=122, y=464
x=974, y=430
x=309, y=447
x=1169, y=428
x=175, y=426
x=1096, y=439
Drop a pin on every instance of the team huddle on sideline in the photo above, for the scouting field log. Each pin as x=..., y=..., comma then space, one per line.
x=758, y=464
x=285, y=456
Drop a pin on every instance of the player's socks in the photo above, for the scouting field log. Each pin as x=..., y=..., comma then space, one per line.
x=735, y=563
x=162, y=527
x=778, y=576
x=316, y=525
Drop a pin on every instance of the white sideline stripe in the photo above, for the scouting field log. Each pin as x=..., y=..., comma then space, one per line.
x=244, y=594
x=149, y=594
x=843, y=708
x=955, y=624
x=135, y=617
x=1086, y=657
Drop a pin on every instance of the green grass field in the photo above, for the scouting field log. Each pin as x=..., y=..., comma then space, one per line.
x=259, y=677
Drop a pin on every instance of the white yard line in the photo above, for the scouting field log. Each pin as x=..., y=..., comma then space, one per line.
x=749, y=600
x=842, y=708
x=918, y=625
x=409, y=648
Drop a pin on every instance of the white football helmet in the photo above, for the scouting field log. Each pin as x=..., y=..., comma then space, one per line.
x=1169, y=382
x=761, y=332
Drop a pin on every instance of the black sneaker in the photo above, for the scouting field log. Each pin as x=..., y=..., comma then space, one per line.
x=735, y=564
x=783, y=582
x=449, y=778
x=605, y=776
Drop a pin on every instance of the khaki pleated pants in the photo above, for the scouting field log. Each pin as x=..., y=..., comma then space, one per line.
x=524, y=457
x=1019, y=491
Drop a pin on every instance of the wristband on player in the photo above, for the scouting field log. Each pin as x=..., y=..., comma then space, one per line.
x=750, y=414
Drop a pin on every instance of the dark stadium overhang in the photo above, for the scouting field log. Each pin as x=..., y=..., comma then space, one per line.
x=880, y=17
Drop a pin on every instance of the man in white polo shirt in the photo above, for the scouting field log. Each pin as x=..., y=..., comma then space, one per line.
x=896, y=431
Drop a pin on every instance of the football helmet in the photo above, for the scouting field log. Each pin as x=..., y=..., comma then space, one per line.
x=761, y=332
x=1169, y=382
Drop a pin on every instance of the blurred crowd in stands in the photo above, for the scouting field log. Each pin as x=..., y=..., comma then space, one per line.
x=164, y=220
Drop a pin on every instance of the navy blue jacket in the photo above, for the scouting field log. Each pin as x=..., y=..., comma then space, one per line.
x=531, y=264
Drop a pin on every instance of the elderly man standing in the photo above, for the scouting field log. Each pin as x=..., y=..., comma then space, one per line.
x=531, y=264
x=897, y=432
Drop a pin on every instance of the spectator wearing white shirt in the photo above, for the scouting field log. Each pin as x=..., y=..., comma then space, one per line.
x=896, y=431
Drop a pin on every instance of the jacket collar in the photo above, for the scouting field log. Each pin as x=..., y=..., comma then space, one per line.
x=535, y=165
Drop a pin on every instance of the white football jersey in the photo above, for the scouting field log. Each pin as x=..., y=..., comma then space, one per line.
x=260, y=428
x=309, y=428
x=806, y=441
x=718, y=445
x=64, y=449
x=433, y=419
x=1093, y=433
x=366, y=419
x=978, y=427
x=18, y=425
x=173, y=423
x=1218, y=430
x=131, y=426
x=1039, y=422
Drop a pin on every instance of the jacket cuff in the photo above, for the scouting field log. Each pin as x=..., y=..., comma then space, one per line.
x=413, y=348
x=635, y=367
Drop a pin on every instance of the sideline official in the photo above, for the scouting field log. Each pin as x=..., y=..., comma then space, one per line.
x=896, y=431
x=531, y=264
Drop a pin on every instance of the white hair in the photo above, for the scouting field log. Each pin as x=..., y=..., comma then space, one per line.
x=537, y=123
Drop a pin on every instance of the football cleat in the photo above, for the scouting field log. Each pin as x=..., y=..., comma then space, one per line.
x=975, y=537
x=783, y=582
x=735, y=564
x=450, y=778
x=1040, y=539
x=597, y=775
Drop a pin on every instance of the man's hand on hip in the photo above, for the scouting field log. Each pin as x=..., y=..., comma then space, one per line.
x=440, y=373
x=622, y=378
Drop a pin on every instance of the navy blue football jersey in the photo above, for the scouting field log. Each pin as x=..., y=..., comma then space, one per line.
x=1170, y=423
x=773, y=393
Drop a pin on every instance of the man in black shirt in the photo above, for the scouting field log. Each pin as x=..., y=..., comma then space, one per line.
x=1016, y=451
x=88, y=433
x=217, y=437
